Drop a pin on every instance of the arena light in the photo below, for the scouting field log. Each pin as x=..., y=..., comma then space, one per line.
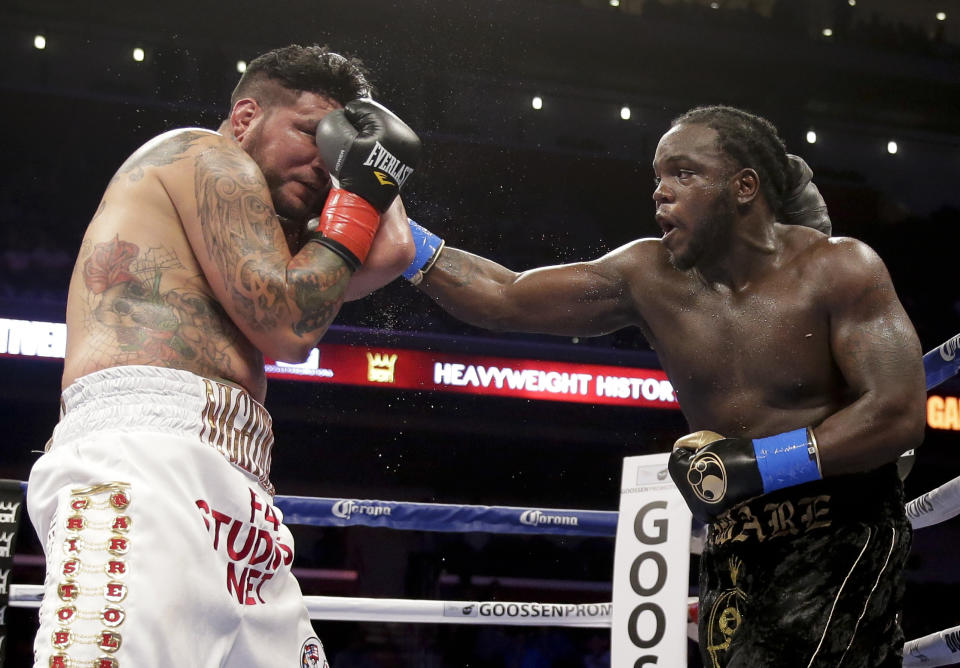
x=241, y=66
x=828, y=32
x=811, y=137
x=941, y=16
x=536, y=102
x=892, y=147
x=625, y=112
x=139, y=55
x=714, y=5
x=852, y=3
x=614, y=3
x=39, y=42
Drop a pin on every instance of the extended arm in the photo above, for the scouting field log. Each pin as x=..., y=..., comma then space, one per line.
x=580, y=299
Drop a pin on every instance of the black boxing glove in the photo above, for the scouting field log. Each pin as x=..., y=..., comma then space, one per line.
x=715, y=474
x=802, y=203
x=369, y=153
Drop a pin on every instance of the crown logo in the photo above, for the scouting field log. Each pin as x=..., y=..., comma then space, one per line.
x=6, y=544
x=8, y=511
x=380, y=367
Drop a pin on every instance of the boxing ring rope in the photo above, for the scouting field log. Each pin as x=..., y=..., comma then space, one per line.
x=933, y=507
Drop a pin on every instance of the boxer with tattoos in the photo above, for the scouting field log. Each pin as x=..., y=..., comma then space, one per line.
x=209, y=251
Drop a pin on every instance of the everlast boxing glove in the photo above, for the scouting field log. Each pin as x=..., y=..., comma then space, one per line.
x=802, y=202
x=715, y=473
x=369, y=153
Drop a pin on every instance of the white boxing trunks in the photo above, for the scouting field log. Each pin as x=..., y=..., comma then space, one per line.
x=162, y=544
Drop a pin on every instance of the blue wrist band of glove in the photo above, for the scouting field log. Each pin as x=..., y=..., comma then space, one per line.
x=787, y=459
x=428, y=247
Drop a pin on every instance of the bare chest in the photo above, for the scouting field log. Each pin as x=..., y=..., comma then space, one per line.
x=735, y=358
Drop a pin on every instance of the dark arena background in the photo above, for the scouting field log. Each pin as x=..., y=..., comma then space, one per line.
x=868, y=91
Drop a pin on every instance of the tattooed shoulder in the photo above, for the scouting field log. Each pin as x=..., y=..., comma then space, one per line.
x=162, y=150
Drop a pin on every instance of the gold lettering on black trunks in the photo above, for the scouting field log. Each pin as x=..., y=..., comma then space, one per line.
x=725, y=618
x=760, y=521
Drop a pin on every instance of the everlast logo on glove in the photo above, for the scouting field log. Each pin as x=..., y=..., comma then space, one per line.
x=381, y=159
x=372, y=153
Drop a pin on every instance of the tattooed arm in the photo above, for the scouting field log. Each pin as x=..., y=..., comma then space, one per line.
x=283, y=304
x=876, y=349
x=580, y=299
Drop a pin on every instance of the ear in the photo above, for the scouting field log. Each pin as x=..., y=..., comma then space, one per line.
x=747, y=185
x=246, y=113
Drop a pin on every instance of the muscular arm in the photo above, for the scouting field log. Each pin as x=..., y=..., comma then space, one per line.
x=282, y=303
x=391, y=253
x=878, y=353
x=580, y=299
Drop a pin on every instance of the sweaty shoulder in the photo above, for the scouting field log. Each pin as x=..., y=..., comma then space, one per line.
x=641, y=255
x=642, y=269
x=844, y=266
x=840, y=256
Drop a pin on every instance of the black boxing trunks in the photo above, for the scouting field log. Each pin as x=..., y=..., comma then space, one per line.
x=807, y=576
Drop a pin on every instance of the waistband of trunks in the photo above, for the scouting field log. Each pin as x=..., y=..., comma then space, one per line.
x=858, y=498
x=132, y=398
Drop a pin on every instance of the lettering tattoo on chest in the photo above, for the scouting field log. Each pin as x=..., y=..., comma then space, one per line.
x=133, y=318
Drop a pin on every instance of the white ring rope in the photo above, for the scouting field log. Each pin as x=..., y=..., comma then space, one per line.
x=937, y=649
x=936, y=506
x=352, y=609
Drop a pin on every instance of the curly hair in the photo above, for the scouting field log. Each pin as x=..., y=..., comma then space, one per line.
x=749, y=141
x=295, y=68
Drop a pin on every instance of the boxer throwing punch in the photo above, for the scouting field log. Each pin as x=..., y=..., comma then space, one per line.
x=154, y=498
x=795, y=365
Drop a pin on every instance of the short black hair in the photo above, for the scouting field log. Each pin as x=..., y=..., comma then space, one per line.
x=749, y=141
x=314, y=69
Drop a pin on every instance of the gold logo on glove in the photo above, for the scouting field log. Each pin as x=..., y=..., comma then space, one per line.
x=708, y=478
x=382, y=178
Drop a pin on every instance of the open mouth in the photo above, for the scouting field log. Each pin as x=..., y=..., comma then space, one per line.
x=665, y=225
